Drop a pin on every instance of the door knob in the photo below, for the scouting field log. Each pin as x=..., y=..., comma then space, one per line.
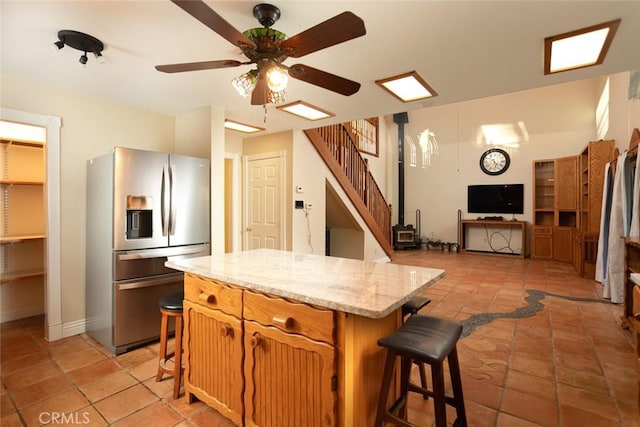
x=248, y=228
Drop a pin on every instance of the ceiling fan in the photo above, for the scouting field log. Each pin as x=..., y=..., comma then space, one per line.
x=268, y=48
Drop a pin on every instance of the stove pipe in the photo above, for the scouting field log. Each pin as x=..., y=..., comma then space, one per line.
x=400, y=119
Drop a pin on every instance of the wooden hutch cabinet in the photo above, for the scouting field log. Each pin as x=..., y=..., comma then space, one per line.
x=592, y=162
x=555, y=206
x=567, y=204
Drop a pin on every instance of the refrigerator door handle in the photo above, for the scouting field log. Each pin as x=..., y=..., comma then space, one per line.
x=164, y=200
x=172, y=215
x=148, y=283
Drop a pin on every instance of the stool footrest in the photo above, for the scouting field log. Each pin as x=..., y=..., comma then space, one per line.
x=389, y=416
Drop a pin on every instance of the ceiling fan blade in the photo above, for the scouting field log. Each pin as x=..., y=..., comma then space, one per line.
x=203, y=13
x=338, y=29
x=259, y=95
x=323, y=79
x=196, y=66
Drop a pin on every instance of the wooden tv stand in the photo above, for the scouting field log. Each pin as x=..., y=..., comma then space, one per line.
x=521, y=227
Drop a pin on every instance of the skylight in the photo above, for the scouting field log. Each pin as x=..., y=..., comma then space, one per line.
x=578, y=49
x=241, y=127
x=407, y=87
x=305, y=110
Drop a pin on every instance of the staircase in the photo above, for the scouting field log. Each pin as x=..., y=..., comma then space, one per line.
x=337, y=147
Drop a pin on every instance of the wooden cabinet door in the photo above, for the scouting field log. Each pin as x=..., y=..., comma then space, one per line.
x=213, y=355
x=541, y=243
x=291, y=379
x=566, y=183
x=562, y=243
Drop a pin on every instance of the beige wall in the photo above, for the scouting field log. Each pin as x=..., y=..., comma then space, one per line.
x=193, y=133
x=559, y=121
x=624, y=113
x=90, y=127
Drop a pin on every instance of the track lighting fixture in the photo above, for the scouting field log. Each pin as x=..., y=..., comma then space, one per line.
x=82, y=42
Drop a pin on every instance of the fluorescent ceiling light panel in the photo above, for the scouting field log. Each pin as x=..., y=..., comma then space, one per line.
x=578, y=49
x=305, y=110
x=407, y=87
x=241, y=127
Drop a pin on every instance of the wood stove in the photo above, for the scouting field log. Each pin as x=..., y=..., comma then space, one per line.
x=404, y=237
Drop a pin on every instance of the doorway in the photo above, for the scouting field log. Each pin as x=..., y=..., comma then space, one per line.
x=264, y=183
x=53, y=328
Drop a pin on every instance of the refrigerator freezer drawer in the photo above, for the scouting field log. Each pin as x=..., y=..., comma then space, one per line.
x=137, y=312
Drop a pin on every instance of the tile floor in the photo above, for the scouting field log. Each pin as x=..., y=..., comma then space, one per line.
x=570, y=364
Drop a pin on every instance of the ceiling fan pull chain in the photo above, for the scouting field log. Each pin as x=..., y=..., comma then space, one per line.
x=265, y=112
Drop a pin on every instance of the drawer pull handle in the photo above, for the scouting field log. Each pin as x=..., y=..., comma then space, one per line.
x=208, y=298
x=285, y=322
x=255, y=341
x=226, y=330
x=637, y=316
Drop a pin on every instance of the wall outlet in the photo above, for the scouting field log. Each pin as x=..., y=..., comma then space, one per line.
x=299, y=189
x=309, y=205
x=299, y=204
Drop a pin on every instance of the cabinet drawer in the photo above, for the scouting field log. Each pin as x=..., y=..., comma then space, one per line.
x=542, y=230
x=297, y=318
x=213, y=294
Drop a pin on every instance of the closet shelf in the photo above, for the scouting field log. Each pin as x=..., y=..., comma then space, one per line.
x=16, y=182
x=20, y=238
x=19, y=275
x=22, y=143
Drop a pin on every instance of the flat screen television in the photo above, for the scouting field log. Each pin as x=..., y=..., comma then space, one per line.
x=498, y=199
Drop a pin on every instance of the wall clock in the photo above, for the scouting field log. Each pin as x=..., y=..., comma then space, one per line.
x=494, y=161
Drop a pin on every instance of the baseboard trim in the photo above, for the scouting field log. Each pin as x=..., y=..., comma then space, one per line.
x=9, y=316
x=74, y=328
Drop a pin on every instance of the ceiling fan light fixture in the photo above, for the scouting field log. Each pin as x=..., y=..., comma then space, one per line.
x=276, y=97
x=305, y=110
x=277, y=78
x=407, y=87
x=245, y=83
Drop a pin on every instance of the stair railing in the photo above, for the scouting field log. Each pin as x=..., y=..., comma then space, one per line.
x=336, y=144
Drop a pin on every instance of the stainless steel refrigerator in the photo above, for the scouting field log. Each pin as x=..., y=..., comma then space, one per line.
x=143, y=207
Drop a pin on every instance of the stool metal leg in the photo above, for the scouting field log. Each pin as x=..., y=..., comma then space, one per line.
x=456, y=384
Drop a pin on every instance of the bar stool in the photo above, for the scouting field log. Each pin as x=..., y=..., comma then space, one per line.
x=428, y=340
x=171, y=306
x=409, y=308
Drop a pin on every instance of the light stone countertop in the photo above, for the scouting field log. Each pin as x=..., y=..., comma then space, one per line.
x=364, y=288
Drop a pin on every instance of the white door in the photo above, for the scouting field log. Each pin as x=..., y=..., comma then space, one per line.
x=264, y=227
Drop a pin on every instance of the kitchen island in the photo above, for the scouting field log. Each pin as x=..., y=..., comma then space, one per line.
x=276, y=338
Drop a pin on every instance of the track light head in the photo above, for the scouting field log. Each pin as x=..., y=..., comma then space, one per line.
x=83, y=59
x=56, y=47
x=99, y=58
